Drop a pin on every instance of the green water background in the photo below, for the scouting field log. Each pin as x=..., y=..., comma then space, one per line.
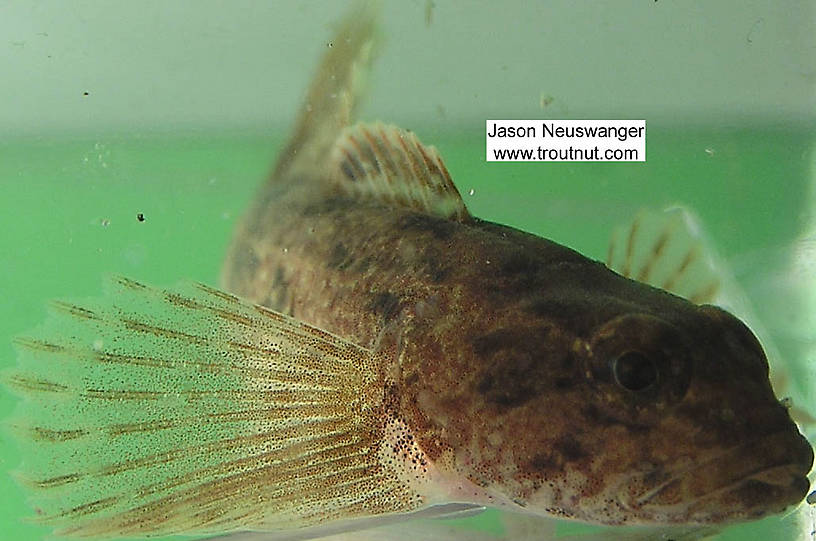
x=69, y=209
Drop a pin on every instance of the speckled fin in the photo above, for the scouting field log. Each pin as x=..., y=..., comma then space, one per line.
x=390, y=165
x=151, y=412
x=666, y=249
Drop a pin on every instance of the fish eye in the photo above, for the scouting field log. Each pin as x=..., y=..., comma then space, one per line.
x=634, y=371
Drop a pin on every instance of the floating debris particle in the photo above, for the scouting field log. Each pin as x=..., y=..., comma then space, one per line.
x=140, y=217
x=545, y=100
x=786, y=402
x=754, y=27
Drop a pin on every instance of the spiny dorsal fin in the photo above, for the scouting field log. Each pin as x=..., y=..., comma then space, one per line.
x=391, y=165
x=152, y=412
x=333, y=94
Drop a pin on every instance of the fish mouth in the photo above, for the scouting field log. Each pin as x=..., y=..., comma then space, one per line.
x=760, y=477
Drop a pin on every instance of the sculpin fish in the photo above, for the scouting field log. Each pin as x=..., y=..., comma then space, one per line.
x=383, y=355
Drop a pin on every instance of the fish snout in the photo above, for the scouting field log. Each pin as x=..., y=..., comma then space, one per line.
x=762, y=477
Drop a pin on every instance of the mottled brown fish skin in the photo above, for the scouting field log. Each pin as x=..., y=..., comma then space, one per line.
x=504, y=345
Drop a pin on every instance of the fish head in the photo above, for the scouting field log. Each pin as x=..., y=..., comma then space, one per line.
x=688, y=427
x=623, y=405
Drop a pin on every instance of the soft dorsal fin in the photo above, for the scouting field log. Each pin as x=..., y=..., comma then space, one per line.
x=391, y=165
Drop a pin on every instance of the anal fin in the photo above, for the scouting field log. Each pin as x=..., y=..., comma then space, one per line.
x=393, y=527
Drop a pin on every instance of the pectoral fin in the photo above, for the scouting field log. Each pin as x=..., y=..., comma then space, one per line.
x=666, y=249
x=151, y=412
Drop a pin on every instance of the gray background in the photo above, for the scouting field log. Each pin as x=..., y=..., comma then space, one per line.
x=169, y=65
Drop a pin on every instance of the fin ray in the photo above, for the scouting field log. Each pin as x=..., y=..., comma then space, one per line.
x=664, y=249
x=151, y=412
x=390, y=165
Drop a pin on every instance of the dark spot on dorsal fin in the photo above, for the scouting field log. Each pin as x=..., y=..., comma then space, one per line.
x=348, y=170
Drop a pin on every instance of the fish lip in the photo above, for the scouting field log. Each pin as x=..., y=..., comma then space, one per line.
x=753, y=486
x=775, y=497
